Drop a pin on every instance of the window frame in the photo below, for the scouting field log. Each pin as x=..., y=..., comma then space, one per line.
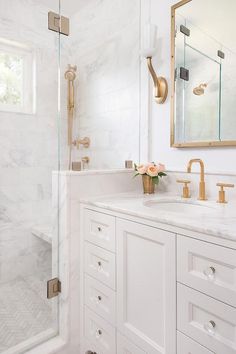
x=28, y=105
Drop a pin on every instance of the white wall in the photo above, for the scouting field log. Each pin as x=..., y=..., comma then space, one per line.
x=216, y=159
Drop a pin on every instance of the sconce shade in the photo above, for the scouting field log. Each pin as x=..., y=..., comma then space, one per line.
x=149, y=40
x=160, y=85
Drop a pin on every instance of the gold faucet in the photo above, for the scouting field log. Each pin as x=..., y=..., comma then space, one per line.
x=202, y=190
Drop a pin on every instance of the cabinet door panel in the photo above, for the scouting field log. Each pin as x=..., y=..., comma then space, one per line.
x=146, y=287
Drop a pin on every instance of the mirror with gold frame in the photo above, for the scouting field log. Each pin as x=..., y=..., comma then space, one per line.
x=203, y=47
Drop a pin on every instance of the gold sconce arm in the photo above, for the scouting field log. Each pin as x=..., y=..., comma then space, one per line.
x=160, y=90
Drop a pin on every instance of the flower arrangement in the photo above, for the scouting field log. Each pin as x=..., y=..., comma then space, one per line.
x=151, y=174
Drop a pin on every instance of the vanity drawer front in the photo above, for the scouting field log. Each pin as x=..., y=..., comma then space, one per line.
x=99, y=333
x=208, y=321
x=100, y=229
x=90, y=348
x=124, y=346
x=100, y=299
x=186, y=345
x=100, y=264
x=208, y=268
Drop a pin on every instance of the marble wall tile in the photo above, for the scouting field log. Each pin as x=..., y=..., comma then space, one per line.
x=105, y=45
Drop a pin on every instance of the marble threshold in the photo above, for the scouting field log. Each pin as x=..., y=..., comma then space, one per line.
x=219, y=222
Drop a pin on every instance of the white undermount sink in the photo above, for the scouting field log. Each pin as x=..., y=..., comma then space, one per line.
x=181, y=206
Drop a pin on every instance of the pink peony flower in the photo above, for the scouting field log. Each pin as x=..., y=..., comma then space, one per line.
x=153, y=171
x=161, y=167
x=141, y=169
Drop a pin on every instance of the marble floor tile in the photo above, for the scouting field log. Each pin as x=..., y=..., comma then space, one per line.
x=25, y=310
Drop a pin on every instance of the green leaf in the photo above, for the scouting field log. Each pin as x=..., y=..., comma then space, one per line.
x=155, y=180
x=162, y=174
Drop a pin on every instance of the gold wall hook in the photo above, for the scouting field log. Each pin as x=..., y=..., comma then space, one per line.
x=160, y=90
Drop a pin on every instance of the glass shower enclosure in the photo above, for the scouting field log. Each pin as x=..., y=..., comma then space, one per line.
x=200, y=96
x=29, y=140
x=48, y=83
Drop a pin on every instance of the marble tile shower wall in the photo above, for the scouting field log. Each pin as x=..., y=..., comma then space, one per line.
x=105, y=46
x=29, y=142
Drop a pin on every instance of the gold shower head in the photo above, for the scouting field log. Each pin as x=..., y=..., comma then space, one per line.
x=70, y=74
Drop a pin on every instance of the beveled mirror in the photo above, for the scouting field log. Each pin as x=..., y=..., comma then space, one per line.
x=203, y=46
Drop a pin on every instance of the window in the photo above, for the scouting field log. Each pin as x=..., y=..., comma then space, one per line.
x=16, y=78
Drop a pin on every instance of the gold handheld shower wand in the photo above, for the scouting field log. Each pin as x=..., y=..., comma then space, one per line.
x=70, y=76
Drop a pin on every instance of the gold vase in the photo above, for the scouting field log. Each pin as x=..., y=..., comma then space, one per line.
x=148, y=185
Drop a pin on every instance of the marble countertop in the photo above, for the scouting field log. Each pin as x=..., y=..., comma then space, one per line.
x=208, y=217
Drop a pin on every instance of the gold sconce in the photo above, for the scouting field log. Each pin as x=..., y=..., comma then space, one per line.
x=160, y=90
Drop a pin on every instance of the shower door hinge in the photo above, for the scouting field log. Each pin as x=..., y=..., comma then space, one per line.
x=58, y=23
x=53, y=288
x=184, y=74
x=185, y=30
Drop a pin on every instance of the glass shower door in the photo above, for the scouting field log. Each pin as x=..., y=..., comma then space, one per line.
x=29, y=152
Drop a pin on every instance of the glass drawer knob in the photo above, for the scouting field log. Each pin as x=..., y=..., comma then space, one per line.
x=99, y=298
x=99, y=229
x=210, y=272
x=98, y=333
x=210, y=326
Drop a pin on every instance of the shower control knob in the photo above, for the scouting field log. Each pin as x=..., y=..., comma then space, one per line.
x=85, y=142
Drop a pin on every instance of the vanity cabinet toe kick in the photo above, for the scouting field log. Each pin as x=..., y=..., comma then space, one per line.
x=146, y=290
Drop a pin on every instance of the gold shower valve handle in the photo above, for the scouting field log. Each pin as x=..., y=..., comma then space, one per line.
x=85, y=142
x=186, y=191
x=222, y=191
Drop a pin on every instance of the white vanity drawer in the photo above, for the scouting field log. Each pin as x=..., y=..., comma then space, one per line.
x=100, y=298
x=99, y=229
x=90, y=348
x=208, y=268
x=186, y=345
x=124, y=346
x=100, y=264
x=99, y=333
x=206, y=320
